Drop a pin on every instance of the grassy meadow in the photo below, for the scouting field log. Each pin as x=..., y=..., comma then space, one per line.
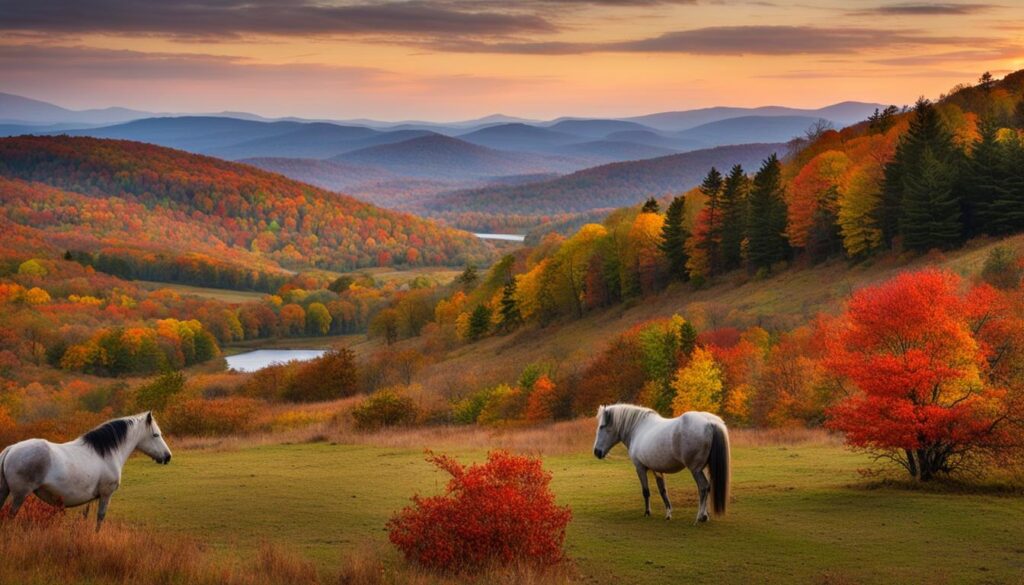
x=800, y=511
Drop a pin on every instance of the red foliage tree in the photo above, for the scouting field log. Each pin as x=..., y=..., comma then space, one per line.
x=494, y=513
x=926, y=399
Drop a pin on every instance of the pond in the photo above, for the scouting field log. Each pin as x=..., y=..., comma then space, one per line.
x=251, y=361
x=502, y=237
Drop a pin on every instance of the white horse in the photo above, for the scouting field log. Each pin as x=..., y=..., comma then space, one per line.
x=80, y=471
x=694, y=441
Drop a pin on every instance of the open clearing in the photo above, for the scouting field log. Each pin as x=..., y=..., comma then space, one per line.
x=799, y=514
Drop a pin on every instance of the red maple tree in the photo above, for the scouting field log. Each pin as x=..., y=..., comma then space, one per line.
x=918, y=351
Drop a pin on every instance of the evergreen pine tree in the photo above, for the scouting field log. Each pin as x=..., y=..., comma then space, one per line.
x=673, y=238
x=985, y=182
x=509, y=309
x=931, y=213
x=1006, y=213
x=824, y=238
x=765, y=230
x=469, y=277
x=650, y=206
x=712, y=189
x=734, y=217
x=687, y=339
x=919, y=194
x=479, y=322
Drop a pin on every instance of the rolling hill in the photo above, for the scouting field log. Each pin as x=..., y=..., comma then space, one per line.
x=520, y=137
x=841, y=114
x=737, y=130
x=612, y=185
x=230, y=207
x=444, y=157
x=22, y=110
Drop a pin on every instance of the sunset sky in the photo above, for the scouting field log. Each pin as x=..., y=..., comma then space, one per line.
x=458, y=59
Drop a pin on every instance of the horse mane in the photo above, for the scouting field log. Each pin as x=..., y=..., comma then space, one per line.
x=625, y=417
x=109, y=436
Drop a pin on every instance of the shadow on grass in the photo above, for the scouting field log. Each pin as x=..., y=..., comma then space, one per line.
x=946, y=485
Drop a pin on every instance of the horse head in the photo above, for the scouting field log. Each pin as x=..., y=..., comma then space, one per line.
x=607, y=435
x=152, y=442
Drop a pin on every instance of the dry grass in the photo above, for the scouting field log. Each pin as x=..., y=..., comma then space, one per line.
x=561, y=438
x=70, y=551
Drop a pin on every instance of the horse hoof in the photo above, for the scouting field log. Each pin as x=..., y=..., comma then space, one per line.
x=647, y=513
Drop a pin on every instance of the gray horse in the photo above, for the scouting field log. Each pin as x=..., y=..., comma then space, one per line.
x=80, y=471
x=694, y=441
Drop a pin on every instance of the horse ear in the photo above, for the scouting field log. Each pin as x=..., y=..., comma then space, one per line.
x=149, y=418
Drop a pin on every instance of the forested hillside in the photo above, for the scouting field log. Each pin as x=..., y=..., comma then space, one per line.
x=136, y=197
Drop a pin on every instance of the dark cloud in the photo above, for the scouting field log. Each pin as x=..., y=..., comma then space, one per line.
x=724, y=40
x=977, y=56
x=211, y=18
x=926, y=9
x=64, y=62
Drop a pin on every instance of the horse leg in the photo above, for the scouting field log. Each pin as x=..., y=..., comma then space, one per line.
x=4, y=492
x=101, y=511
x=16, y=503
x=85, y=514
x=660, y=478
x=703, y=488
x=641, y=472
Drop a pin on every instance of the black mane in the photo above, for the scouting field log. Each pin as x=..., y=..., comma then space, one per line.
x=107, y=437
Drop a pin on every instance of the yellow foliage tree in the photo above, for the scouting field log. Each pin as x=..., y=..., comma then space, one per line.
x=698, y=385
x=857, y=205
x=36, y=296
x=645, y=255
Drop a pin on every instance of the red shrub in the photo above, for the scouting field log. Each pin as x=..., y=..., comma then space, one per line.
x=494, y=513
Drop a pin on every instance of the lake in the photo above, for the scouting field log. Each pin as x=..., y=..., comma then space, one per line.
x=251, y=361
x=502, y=237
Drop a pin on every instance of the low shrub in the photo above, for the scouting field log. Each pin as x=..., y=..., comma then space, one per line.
x=385, y=408
x=216, y=417
x=494, y=514
x=1003, y=269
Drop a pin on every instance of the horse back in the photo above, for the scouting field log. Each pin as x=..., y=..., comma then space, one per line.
x=29, y=461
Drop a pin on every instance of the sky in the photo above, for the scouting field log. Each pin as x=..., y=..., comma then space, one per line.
x=460, y=59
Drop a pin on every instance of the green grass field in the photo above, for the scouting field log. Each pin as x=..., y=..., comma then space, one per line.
x=799, y=514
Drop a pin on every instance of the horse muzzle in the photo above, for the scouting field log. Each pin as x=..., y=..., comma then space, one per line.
x=599, y=454
x=163, y=460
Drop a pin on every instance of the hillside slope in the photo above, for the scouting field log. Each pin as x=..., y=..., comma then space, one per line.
x=786, y=300
x=239, y=206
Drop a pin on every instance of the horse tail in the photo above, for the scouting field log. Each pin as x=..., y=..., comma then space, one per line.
x=718, y=464
x=3, y=479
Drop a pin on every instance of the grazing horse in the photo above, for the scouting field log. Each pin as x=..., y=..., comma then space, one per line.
x=78, y=472
x=694, y=441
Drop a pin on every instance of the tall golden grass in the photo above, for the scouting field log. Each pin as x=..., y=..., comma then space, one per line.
x=561, y=438
x=71, y=552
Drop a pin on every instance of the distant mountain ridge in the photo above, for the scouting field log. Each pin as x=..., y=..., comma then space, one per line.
x=612, y=185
